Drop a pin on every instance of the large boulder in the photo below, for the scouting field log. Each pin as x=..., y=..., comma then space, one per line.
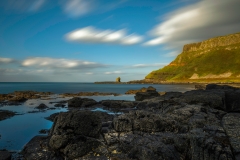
x=81, y=102
x=42, y=106
x=150, y=93
x=214, y=99
x=74, y=133
x=232, y=95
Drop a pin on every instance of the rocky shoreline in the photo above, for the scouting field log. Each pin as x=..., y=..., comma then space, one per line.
x=198, y=125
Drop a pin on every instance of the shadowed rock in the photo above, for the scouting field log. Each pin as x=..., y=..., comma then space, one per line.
x=81, y=102
x=42, y=106
x=150, y=93
x=5, y=155
x=4, y=114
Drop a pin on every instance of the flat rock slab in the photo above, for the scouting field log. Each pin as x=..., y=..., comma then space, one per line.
x=232, y=127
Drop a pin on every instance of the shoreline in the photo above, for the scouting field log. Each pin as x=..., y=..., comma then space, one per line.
x=174, y=116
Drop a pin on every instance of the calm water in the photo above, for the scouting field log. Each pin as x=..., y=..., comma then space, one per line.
x=17, y=131
x=6, y=87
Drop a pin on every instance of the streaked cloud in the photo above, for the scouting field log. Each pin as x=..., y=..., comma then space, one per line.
x=6, y=60
x=36, y=5
x=91, y=35
x=24, y=5
x=149, y=65
x=89, y=73
x=76, y=8
x=172, y=54
x=48, y=62
x=114, y=72
x=197, y=22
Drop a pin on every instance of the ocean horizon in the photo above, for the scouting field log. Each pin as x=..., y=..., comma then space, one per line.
x=75, y=87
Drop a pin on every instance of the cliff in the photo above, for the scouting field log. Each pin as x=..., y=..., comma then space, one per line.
x=213, y=60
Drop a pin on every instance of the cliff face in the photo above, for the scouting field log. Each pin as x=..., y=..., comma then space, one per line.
x=213, y=42
x=216, y=58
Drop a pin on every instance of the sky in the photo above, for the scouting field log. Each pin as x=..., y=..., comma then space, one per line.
x=100, y=40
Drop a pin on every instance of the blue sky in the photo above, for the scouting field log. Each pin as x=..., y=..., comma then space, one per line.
x=99, y=40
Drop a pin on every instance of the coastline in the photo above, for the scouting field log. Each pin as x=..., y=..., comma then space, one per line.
x=151, y=118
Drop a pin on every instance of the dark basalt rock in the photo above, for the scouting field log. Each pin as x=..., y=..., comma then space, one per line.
x=41, y=106
x=135, y=91
x=194, y=125
x=214, y=99
x=81, y=102
x=231, y=95
x=120, y=104
x=222, y=87
x=44, y=131
x=5, y=155
x=18, y=99
x=232, y=127
x=37, y=149
x=170, y=95
x=4, y=114
x=74, y=133
x=22, y=96
x=52, y=117
x=150, y=93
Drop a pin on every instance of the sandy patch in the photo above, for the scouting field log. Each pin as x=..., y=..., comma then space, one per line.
x=209, y=76
x=195, y=76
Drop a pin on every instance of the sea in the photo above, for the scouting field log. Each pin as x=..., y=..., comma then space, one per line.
x=16, y=131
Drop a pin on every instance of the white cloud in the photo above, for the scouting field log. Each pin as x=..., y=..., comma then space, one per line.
x=114, y=72
x=59, y=63
x=149, y=65
x=89, y=73
x=172, y=54
x=92, y=35
x=76, y=8
x=197, y=22
x=6, y=60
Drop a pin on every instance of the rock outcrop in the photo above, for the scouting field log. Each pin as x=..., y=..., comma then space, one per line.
x=4, y=114
x=150, y=93
x=196, y=125
x=118, y=79
x=213, y=43
x=81, y=102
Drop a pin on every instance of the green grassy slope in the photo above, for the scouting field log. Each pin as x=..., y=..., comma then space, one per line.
x=216, y=61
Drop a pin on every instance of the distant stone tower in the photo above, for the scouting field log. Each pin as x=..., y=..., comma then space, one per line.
x=118, y=79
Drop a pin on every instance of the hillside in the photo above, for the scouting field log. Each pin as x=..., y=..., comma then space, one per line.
x=214, y=60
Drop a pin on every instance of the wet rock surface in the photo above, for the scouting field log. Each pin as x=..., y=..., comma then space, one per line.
x=196, y=125
x=4, y=114
x=52, y=117
x=18, y=97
